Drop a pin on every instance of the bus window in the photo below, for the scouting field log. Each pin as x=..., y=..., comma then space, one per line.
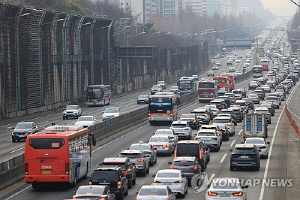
x=46, y=143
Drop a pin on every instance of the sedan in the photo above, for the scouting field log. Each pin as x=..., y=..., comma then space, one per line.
x=227, y=189
x=163, y=144
x=86, y=121
x=110, y=113
x=155, y=192
x=147, y=149
x=223, y=123
x=254, y=98
x=275, y=100
x=168, y=132
x=262, y=145
x=94, y=192
x=174, y=179
x=143, y=99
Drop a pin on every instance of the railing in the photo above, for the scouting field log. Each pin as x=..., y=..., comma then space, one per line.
x=294, y=120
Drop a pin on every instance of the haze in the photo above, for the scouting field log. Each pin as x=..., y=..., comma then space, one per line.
x=280, y=7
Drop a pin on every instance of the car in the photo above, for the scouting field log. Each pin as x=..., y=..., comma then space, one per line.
x=174, y=89
x=226, y=189
x=194, y=148
x=159, y=192
x=266, y=88
x=110, y=113
x=215, y=67
x=254, y=97
x=218, y=64
x=72, y=111
x=139, y=159
x=231, y=69
x=188, y=165
x=260, y=93
x=226, y=99
x=195, y=77
x=191, y=119
x=148, y=150
x=232, y=114
x=163, y=143
x=239, y=93
x=270, y=107
x=143, y=99
x=253, y=85
x=275, y=100
x=22, y=130
x=223, y=123
x=174, y=179
x=219, y=103
x=271, y=84
x=243, y=104
x=231, y=96
x=94, y=192
x=229, y=62
x=238, y=61
x=127, y=167
x=202, y=115
x=249, y=103
x=112, y=177
x=86, y=121
x=181, y=129
x=162, y=84
x=264, y=111
x=214, y=109
x=238, y=112
x=261, y=144
x=281, y=94
x=211, y=137
x=156, y=88
x=245, y=156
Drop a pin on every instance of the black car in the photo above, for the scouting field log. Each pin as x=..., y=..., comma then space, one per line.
x=113, y=177
x=226, y=99
x=245, y=156
x=22, y=130
x=191, y=120
x=127, y=167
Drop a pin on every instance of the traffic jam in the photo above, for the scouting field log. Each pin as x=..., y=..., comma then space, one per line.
x=188, y=140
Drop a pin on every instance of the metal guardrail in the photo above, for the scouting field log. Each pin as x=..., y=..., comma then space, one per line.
x=292, y=118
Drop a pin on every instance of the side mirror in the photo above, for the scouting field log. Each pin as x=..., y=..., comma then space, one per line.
x=268, y=143
x=101, y=163
x=137, y=192
x=64, y=108
x=260, y=150
x=242, y=142
x=169, y=163
x=153, y=176
x=153, y=133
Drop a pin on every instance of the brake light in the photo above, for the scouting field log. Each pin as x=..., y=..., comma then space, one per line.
x=234, y=116
x=166, y=145
x=194, y=121
x=214, y=138
x=194, y=167
x=255, y=156
x=180, y=181
x=154, y=181
x=149, y=113
x=67, y=168
x=229, y=124
x=237, y=194
x=198, y=138
x=90, y=183
x=209, y=193
x=263, y=147
x=232, y=156
x=119, y=184
x=220, y=106
x=173, y=167
x=171, y=113
x=26, y=168
x=141, y=160
x=103, y=198
x=126, y=172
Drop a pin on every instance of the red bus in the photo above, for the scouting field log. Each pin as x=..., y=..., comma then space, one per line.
x=207, y=90
x=231, y=81
x=265, y=64
x=223, y=84
x=98, y=95
x=58, y=154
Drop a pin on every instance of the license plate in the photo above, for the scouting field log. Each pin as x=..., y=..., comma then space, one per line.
x=94, y=103
x=225, y=195
x=167, y=183
x=21, y=135
x=160, y=115
x=46, y=172
x=244, y=156
x=180, y=133
x=205, y=95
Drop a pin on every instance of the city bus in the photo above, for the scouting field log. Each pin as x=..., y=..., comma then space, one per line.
x=58, y=154
x=163, y=108
x=185, y=85
x=223, y=84
x=98, y=95
x=231, y=80
x=257, y=71
x=207, y=90
x=261, y=52
x=265, y=64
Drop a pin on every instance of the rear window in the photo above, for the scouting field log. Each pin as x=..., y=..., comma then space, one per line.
x=91, y=190
x=184, y=163
x=46, y=143
x=206, y=133
x=179, y=126
x=240, y=103
x=124, y=155
x=167, y=175
x=122, y=165
x=108, y=175
x=244, y=150
x=153, y=192
x=187, y=150
x=222, y=121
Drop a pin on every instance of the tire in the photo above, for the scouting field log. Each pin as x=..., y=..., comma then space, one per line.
x=120, y=195
x=108, y=102
x=129, y=184
x=134, y=181
x=126, y=193
x=34, y=185
x=75, y=180
x=13, y=140
x=147, y=171
x=151, y=123
x=182, y=195
x=231, y=168
x=87, y=171
x=144, y=173
x=152, y=163
x=64, y=118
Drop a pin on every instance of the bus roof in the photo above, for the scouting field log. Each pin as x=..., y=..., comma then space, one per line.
x=186, y=78
x=220, y=77
x=260, y=66
x=60, y=131
x=96, y=86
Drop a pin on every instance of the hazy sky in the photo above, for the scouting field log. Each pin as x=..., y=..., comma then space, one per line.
x=280, y=7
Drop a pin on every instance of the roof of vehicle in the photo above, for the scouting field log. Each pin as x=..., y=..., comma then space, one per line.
x=240, y=101
x=222, y=118
x=208, y=126
x=207, y=130
x=110, y=168
x=199, y=110
x=188, y=142
x=184, y=158
x=169, y=170
x=132, y=151
x=114, y=160
x=180, y=122
x=261, y=108
x=240, y=146
x=154, y=186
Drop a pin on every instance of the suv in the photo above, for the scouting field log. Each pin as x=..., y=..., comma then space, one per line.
x=113, y=177
x=72, y=111
x=245, y=155
x=22, y=130
x=162, y=84
x=138, y=158
x=191, y=119
x=147, y=149
x=156, y=88
x=182, y=129
x=127, y=167
x=211, y=137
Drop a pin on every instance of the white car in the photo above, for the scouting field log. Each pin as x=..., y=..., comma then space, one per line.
x=156, y=192
x=182, y=129
x=227, y=189
x=211, y=137
x=214, y=109
x=86, y=121
x=224, y=122
x=162, y=84
x=167, y=132
x=261, y=144
x=173, y=178
x=110, y=113
x=72, y=111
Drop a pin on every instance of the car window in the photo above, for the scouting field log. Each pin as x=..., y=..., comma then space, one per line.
x=108, y=175
x=178, y=126
x=122, y=165
x=72, y=107
x=139, y=147
x=91, y=190
x=23, y=126
x=159, y=139
x=184, y=163
x=222, y=120
x=244, y=150
x=153, y=192
x=111, y=110
x=167, y=175
x=85, y=119
x=254, y=141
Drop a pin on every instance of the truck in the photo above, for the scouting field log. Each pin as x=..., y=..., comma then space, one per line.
x=255, y=125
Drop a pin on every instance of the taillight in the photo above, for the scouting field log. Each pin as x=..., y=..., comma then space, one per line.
x=263, y=147
x=232, y=156
x=200, y=154
x=220, y=106
x=198, y=138
x=234, y=116
x=209, y=193
x=90, y=183
x=26, y=168
x=194, y=121
x=141, y=160
x=149, y=113
x=173, y=167
x=126, y=172
x=103, y=198
x=154, y=181
x=67, y=168
x=237, y=194
x=166, y=145
x=194, y=167
x=214, y=138
x=180, y=181
x=255, y=156
x=119, y=184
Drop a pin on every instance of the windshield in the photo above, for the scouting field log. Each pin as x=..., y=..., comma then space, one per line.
x=143, y=96
x=24, y=126
x=71, y=107
x=163, y=132
x=240, y=103
x=222, y=120
x=187, y=116
x=188, y=149
x=80, y=119
x=185, y=85
x=174, y=88
x=160, y=105
x=90, y=190
x=140, y=147
x=159, y=139
x=272, y=98
x=107, y=175
x=95, y=93
x=153, y=192
x=254, y=141
x=206, y=85
x=111, y=110
x=46, y=143
x=167, y=175
x=237, y=92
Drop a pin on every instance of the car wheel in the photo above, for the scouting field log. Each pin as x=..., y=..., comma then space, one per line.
x=134, y=181
x=155, y=159
x=64, y=118
x=129, y=184
x=182, y=195
x=75, y=180
x=13, y=140
x=126, y=193
x=257, y=168
x=34, y=185
x=231, y=168
x=120, y=195
x=152, y=163
x=144, y=173
x=147, y=171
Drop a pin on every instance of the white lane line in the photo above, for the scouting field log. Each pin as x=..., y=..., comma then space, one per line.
x=118, y=138
x=8, y=140
x=211, y=178
x=17, y=150
x=188, y=106
x=240, y=132
x=223, y=158
x=17, y=193
x=232, y=143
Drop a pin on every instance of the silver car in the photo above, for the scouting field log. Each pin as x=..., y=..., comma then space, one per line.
x=163, y=143
x=231, y=96
x=227, y=189
x=254, y=98
x=155, y=192
x=214, y=109
x=174, y=179
x=261, y=144
x=147, y=149
x=182, y=129
x=167, y=132
x=275, y=100
x=211, y=137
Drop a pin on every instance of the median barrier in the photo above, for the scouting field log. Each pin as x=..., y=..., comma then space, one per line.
x=293, y=119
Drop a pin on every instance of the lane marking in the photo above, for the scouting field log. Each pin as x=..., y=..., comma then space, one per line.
x=240, y=132
x=232, y=143
x=17, y=193
x=262, y=191
x=223, y=158
x=211, y=178
x=17, y=150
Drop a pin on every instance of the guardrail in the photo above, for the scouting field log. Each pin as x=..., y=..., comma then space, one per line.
x=293, y=119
